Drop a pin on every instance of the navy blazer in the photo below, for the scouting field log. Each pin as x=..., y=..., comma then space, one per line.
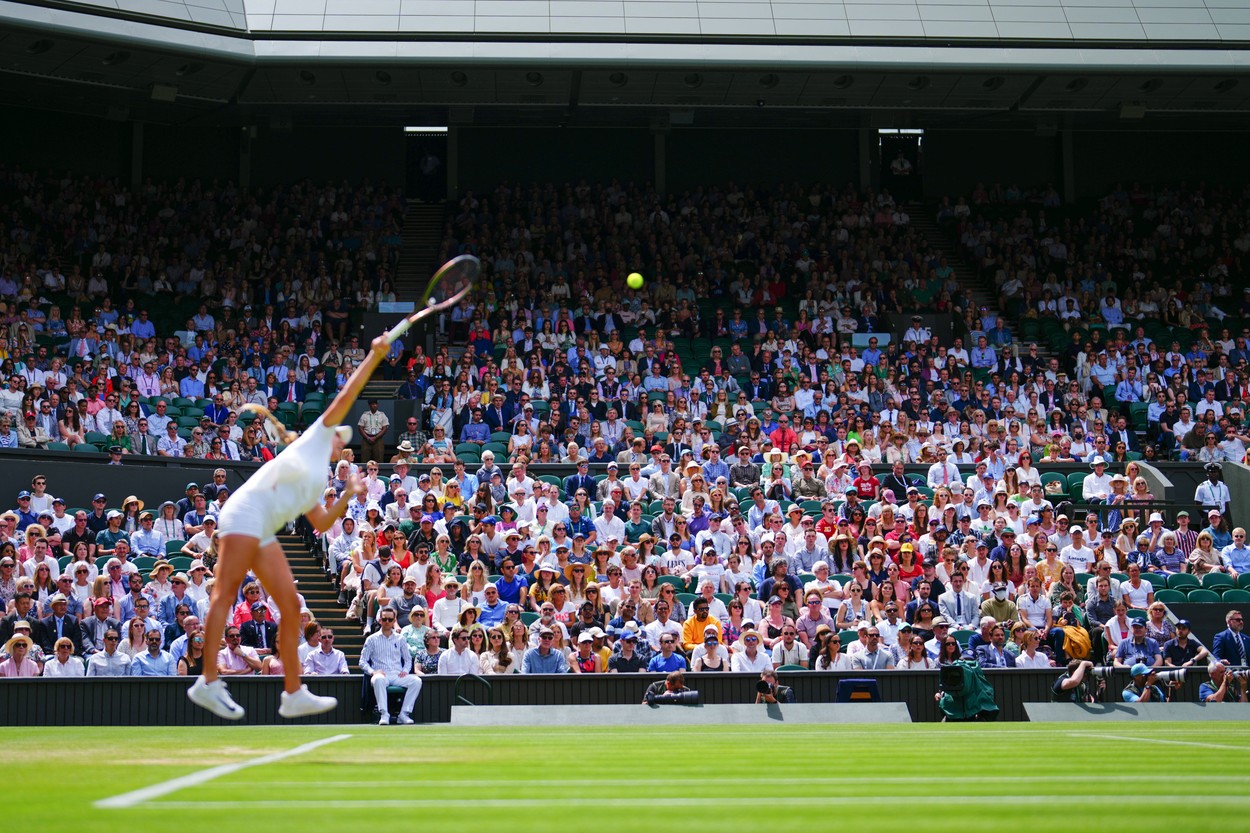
x=283, y=389
x=1225, y=646
x=985, y=658
x=249, y=633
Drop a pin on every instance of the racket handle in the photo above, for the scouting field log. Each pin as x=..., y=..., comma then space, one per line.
x=393, y=334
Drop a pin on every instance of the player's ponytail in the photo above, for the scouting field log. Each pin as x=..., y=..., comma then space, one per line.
x=285, y=435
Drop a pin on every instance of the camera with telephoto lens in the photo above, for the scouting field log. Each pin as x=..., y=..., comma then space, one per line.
x=765, y=687
x=1243, y=674
x=674, y=698
x=1101, y=672
x=1174, y=676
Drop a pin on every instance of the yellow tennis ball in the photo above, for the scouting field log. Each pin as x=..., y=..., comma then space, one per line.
x=634, y=280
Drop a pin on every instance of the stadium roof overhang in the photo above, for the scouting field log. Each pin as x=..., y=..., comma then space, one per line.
x=396, y=60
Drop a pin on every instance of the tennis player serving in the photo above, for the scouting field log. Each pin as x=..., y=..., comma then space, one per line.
x=288, y=486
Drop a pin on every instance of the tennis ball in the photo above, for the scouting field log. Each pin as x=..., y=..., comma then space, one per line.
x=634, y=280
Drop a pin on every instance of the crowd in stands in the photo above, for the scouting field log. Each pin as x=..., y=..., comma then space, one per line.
x=201, y=294
x=542, y=587
x=1141, y=295
x=729, y=432
x=98, y=591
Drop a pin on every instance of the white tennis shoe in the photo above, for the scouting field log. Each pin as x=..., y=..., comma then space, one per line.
x=215, y=697
x=303, y=703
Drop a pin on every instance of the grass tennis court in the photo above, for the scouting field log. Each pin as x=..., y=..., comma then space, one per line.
x=951, y=777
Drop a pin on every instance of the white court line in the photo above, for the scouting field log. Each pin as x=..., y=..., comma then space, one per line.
x=659, y=782
x=1159, y=740
x=138, y=797
x=693, y=801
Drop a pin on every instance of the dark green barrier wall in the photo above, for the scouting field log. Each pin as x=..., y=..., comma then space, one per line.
x=161, y=702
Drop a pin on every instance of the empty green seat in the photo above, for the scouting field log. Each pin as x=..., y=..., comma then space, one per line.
x=1212, y=581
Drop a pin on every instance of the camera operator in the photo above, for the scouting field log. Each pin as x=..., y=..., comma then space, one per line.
x=1074, y=685
x=1221, y=687
x=674, y=683
x=1143, y=688
x=767, y=690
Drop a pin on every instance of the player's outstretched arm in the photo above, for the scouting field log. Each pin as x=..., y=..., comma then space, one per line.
x=345, y=398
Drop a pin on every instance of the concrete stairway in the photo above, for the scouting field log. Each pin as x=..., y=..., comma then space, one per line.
x=321, y=596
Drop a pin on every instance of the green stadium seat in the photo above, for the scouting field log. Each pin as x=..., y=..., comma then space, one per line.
x=63, y=561
x=87, y=448
x=1211, y=581
x=847, y=638
x=1076, y=484
x=173, y=548
x=1136, y=614
x=792, y=667
x=1235, y=595
x=58, y=447
x=529, y=617
x=1243, y=581
x=1182, y=581
x=145, y=563
x=1055, y=477
x=725, y=598
x=1200, y=595
x=962, y=637
x=96, y=438
x=501, y=437
x=679, y=583
x=687, y=599
x=1167, y=596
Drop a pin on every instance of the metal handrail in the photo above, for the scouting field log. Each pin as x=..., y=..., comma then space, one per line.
x=460, y=699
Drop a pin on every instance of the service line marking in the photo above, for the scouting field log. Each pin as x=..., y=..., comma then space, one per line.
x=138, y=797
x=657, y=782
x=1159, y=740
x=693, y=801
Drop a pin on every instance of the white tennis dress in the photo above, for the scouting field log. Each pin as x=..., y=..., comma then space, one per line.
x=285, y=488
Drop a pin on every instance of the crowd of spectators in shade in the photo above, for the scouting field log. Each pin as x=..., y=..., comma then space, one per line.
x=268, y=280
x=1148, y=289
x=752, y=476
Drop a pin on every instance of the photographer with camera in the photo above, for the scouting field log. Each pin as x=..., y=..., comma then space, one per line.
x=767, y=690
x=670, y=691
x=1139, y=650
x=1143, y=688
x=1074, y=685
x=1221, y=687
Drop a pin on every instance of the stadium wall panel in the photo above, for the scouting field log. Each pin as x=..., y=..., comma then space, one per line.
x=761, y=157
x=146, y=702
x=491, y=155
x=956, y=160
x=1104, y=158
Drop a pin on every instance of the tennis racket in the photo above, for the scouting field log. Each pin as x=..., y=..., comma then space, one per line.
x=451, y=283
